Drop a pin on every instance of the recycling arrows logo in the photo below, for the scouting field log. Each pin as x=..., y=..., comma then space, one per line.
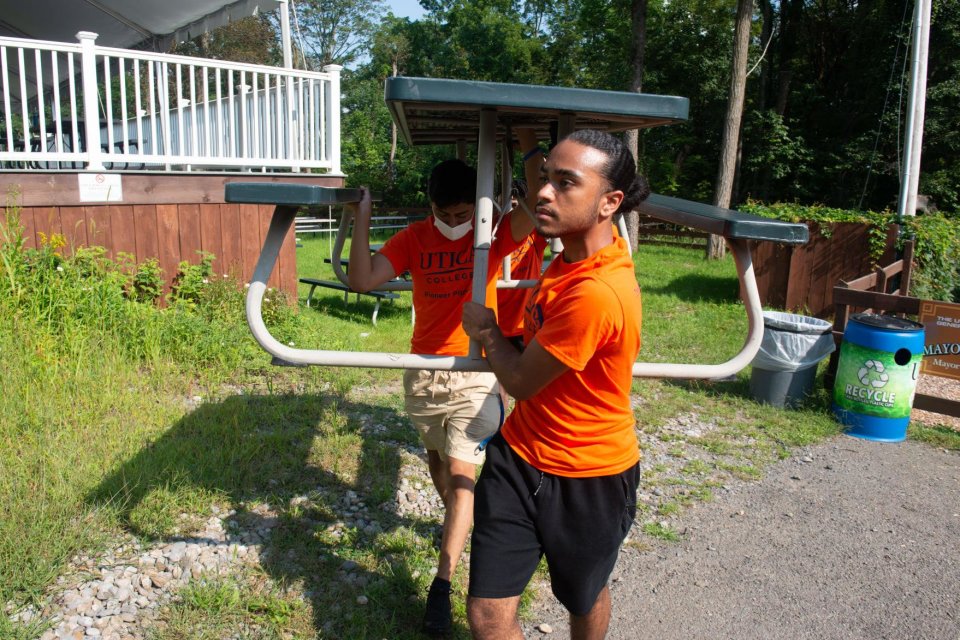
x=871, y=374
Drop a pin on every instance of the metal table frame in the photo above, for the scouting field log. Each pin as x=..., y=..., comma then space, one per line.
x=435, y=111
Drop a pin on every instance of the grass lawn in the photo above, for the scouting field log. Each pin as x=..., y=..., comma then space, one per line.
x=123, y=420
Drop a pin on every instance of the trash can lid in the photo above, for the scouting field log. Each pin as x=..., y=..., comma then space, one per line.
x=888, y=323
x=794, y=323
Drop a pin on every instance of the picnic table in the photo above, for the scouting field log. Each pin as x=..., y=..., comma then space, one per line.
x=440, y=111
x=339, y=286
x=377, y=294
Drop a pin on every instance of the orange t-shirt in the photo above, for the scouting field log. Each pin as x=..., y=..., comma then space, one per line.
x=526, y=261
x=587, y=315
x=442, y=274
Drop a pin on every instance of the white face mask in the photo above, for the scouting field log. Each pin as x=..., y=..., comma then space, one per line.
x=452, y=233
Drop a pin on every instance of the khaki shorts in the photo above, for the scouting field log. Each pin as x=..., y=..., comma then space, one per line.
x=454, y=411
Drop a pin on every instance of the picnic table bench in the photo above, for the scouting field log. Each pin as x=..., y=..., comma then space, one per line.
x=339, y=286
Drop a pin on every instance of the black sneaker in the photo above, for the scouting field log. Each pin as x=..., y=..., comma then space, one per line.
x=437, y=619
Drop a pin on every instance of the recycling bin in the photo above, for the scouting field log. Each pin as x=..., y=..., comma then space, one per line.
x=877, y=376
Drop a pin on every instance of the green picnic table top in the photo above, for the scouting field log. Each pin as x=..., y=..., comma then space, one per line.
x=437, y=110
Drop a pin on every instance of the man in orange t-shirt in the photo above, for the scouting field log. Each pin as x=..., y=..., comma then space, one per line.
x=560, y=478
x=455, y=412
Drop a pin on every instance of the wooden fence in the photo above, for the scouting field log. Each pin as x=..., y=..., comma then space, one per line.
x=171, y=233
x=655, y=231
x=802, y=278
x=164, y=216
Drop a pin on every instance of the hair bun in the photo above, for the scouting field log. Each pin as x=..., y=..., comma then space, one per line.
x=637, y=192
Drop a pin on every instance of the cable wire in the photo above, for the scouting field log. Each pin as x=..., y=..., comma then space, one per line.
x=296, y=26
x=883, y=112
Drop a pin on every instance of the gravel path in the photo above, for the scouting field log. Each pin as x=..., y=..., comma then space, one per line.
x=847, y=539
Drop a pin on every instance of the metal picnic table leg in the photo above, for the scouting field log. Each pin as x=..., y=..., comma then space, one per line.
x=483, y=216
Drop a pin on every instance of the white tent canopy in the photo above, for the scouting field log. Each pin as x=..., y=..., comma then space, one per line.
x=126, y=24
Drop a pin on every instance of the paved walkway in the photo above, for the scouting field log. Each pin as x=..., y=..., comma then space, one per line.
x=861, y=541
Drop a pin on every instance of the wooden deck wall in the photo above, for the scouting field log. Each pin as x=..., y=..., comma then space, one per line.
x=168, y=217
x=802, y=278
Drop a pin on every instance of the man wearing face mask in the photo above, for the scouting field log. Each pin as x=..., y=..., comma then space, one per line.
x=455, y=412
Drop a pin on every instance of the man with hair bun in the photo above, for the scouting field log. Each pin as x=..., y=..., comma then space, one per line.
x=561, y=476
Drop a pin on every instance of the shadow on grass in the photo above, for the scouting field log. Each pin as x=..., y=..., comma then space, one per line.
x=806, y=420
x=739, y=388
x=311, y=474
x=699, y=288
x=817, y=398
x=354, y=310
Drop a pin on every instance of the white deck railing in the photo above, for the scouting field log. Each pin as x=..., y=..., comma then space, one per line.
x=160, y=112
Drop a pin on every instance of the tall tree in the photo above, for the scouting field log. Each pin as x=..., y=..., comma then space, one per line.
x=491, y=40
x=392, y=47
x=716, y=246
x=687, y=54
x=940, y=172
x=638, y=24
x=253, y=40
x=337, y=31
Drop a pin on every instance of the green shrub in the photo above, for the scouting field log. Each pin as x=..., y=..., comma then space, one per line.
x=824, y=217
x=146, y=283
x=937, y=253
x=81, y=302
x=191, y=279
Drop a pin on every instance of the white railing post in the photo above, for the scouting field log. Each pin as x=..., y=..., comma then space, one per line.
x=290, y=126
x=91, y=109
x=179, y=116
x=333, y=117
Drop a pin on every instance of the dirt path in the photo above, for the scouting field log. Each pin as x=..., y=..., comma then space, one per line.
x=861, y=541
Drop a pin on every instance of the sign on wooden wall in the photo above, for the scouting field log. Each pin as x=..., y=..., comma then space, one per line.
x=941, y=354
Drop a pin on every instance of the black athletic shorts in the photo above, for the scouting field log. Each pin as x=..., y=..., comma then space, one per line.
x=521, y=514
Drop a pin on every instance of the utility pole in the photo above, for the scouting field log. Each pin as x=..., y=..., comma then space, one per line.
x=910, y=178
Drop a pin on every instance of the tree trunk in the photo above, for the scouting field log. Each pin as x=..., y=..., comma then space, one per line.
x=760, y=184
x=790, y=15
x=638, y=14
x=393, y=137
x=766, y=34
x=716, y=247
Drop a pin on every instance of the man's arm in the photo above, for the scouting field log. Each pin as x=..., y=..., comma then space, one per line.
x=521, y=224
x=366, y=271
x=523, y=375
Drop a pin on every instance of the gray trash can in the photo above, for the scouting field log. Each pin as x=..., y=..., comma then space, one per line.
x=785, y=367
